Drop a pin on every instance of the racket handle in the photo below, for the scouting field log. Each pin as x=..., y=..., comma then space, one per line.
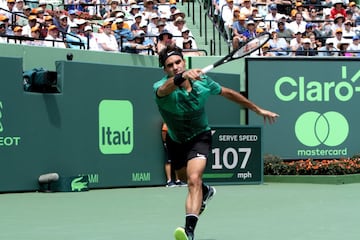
x=207, y=69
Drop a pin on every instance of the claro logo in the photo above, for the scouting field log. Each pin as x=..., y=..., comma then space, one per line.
x=116, y=128
x=313, y=129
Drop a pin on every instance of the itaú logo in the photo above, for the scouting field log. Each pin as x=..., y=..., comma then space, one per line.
x=313, y=128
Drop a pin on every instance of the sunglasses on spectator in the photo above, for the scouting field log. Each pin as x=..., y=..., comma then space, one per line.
x=2, y=26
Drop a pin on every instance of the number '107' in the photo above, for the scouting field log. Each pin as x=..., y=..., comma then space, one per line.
x=230, y=158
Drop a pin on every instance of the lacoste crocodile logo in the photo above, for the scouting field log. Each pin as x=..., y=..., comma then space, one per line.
x=78, y=185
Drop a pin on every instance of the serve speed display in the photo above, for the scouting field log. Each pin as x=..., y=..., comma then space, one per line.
x=236, y=156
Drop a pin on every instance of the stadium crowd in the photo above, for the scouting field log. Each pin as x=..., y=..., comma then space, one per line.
x=298, y=27
x=126, y=26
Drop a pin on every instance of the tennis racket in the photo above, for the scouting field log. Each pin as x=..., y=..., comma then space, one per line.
x=249, y=47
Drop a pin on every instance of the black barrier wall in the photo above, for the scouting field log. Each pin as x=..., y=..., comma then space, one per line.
x=103, y=124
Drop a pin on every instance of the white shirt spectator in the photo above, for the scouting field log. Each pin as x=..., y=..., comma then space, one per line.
x=298, y=25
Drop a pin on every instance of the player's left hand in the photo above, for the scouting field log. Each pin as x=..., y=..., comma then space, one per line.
x=268, y=115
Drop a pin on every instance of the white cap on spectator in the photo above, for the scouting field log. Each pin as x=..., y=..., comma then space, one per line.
x=329, y=40
x=88, y=28
x=143, y=24
x=135, y=6
x=138, y=15
x=79, y=21
x=306, y=40
x=73, y=25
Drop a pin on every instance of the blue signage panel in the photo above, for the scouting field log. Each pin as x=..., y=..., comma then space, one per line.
x=236, y=156
x=317, y=101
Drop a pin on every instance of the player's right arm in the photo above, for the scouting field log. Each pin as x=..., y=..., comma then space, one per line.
x=167, y=88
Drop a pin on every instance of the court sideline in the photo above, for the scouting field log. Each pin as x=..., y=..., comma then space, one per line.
x=272, y=211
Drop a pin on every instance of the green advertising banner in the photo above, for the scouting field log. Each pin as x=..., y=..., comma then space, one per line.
x=316, y=99
x=236, y=156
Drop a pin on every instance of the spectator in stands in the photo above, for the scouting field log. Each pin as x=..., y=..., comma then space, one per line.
x=56, y=16
x=342, y=46
x=165, y=39
x=313, y=15
x=43, y=4
x=349, y=16
x=177, y=13
x=250, y=31
x=315, y=42
x=72, y=16
x=23, y=20
x=309, y=29
x=295, y=43
x=262, y=26
x=355, y=11
x=122, y=35
x=122, y=16
x=136, y=25
x=136, y=45
x=338, y=36
x=298, y=25
x=338, y=8
x=348, y=31
x=152, y=25
x=106, y=39
x=189, y=50
x=218, y=5
x=338, y=22
x=186, y=35
x=283, y=32
x=161, y=26
x=328, y=49
x=44, y=27
x=326, y=26
x=305, y=49
x=73, y=39
x=272, y=17
x=227, y=17
x=3, y=38
x=8, y=9
x=8, y=26
x=255, y=16
x=354, y=47
x=299, y=7
x=265, y=51
x=239, y=27
x=164, y=8
x=114, y=5
x=247, y=9
x=179, y=24
x=148, y=9
x=278, y=46
x=63, y=25
x=39, y=12
x=19, y=6
x=91, y=38
x=148, y=40
x=53, y=39
x=35, y=34
x=134, y=12
x=19, y=10
x=18, y=36
x=32, y=21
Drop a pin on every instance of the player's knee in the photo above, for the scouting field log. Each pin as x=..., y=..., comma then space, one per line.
x=194, y=180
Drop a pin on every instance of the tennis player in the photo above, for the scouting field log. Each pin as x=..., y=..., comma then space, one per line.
x=181, y=96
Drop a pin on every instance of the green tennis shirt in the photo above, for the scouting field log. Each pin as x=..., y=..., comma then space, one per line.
x=183, y=111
